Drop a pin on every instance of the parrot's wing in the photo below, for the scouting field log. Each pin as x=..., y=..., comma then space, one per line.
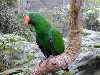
x=51, y=39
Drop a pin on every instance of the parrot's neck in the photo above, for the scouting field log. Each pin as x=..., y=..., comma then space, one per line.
x=41, y=27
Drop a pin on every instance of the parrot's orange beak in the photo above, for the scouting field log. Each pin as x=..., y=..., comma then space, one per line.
x=26, y=20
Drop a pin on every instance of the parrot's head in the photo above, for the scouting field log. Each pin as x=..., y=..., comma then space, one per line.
x=32, y=18
x=35, y=20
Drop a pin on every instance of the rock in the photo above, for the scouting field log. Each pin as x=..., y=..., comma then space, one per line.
x=86, y=63
x=15, y=51
x=92, y=39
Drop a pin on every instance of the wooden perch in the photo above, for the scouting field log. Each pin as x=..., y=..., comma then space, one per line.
x=63, y=60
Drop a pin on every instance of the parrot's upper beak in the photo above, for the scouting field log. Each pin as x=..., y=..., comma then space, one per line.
x=26, y=20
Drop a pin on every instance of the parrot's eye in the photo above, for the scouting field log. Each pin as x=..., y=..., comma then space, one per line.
x=26, y=20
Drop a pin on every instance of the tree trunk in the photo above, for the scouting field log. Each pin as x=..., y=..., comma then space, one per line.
x=64, y=60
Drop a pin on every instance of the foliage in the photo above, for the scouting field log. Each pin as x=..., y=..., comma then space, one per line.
x=97, y=45
x=14, y=51
x=97, y=1
x=11, y=3
x=91, y=19
x=10, y=22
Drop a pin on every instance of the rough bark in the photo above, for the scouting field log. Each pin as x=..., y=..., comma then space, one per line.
x=65, y=59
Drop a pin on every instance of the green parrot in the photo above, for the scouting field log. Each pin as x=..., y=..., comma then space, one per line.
x=50, y=40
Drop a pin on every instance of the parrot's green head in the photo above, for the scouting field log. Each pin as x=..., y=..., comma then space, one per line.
x=37, y=21
x=32, y=18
